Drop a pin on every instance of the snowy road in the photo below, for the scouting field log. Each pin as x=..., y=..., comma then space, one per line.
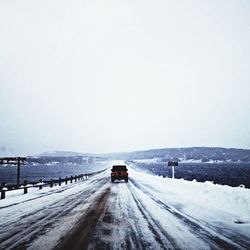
x=97, y=214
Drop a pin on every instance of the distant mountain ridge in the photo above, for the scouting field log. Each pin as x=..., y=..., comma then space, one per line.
x=202, y=154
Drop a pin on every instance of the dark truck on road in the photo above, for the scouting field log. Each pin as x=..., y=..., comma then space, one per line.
x=119, y=172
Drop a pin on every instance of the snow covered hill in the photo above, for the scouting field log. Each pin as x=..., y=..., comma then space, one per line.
x=148, y=212
x=188, y=154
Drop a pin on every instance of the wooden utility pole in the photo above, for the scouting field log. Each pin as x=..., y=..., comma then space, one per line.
x=14, y=161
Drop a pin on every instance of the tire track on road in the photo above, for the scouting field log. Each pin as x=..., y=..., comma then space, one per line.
x=159, y=233
x=80, y=235
x=40, y=220
x=126, y=224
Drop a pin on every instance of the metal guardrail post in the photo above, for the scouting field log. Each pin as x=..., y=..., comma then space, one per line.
x=25, y=189
x=40, y=186
x=3, y=191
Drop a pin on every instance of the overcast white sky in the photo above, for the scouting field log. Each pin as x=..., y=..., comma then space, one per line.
x=108, y=76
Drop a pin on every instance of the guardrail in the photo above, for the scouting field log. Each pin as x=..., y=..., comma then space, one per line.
x=44, y=183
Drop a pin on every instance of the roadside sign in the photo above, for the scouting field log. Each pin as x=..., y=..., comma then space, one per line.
x=173, y=164
x=14, y=161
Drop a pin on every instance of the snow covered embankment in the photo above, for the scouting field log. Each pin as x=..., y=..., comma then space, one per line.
x=231, y=200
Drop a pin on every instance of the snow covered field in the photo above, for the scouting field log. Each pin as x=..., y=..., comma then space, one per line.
x=149, y=212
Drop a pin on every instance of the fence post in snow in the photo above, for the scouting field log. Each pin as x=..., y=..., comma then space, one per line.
x=2, y=194
x=3, y=190
x=40, y=186
x=66, y=180
x=75, y=178
x=71, y=179
x=25, y=189
x=60, y=181
x=51, y=183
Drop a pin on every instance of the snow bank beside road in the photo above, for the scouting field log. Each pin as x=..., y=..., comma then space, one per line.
x=225, y=199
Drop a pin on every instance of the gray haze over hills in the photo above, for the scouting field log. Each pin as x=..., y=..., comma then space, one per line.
x=202, y=154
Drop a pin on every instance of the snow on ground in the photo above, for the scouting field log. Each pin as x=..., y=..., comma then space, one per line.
x=222, y=211
x=209, y=161
x=148, y=161
x=181, y=160
x=232, y=200
x=148, y=212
